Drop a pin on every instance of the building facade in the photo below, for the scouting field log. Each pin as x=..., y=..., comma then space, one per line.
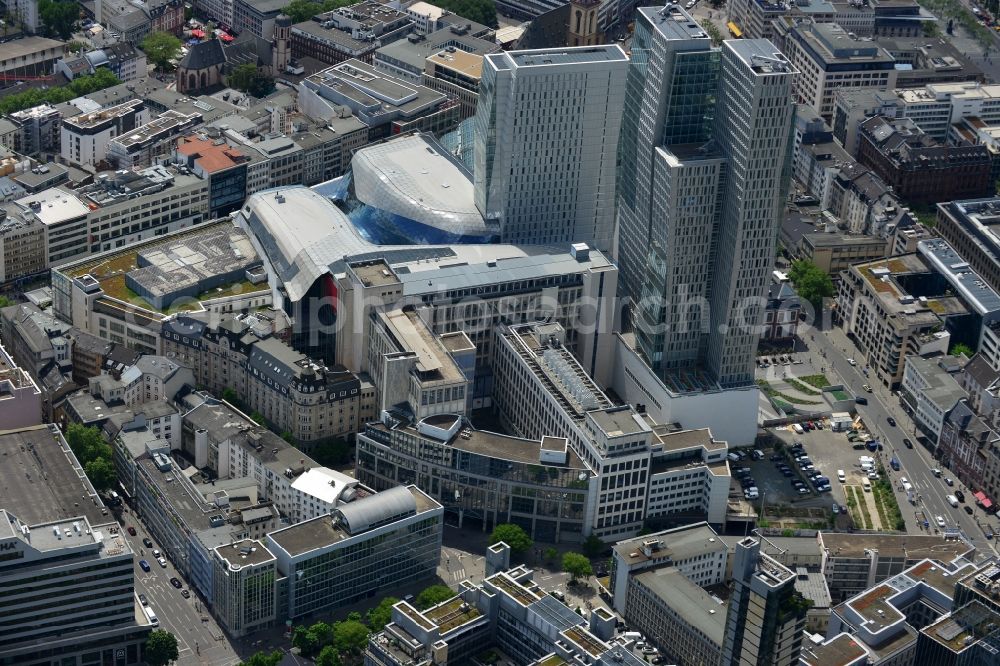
x=544, y=170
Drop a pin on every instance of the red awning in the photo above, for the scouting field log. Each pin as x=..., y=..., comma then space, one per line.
x=197, y=33
x=226, y=38
x=986, y=503
x=979, y=495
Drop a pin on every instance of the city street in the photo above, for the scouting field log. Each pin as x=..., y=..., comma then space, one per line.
x=915, y=463
x=200, y=640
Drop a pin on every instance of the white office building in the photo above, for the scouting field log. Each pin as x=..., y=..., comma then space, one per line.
x=546, y=143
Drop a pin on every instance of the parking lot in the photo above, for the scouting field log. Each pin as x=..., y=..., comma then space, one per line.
x=781, y=480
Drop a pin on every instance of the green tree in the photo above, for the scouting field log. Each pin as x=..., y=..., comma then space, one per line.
x=287, y=436
x=257, y=418
x=229, y=395
x=304, y=10
x=811, y=283
x=350, y=637
x=5, y=302
x=87, y=443
x=551, y=554
x=249, y=79
x=161, y=648
x=480, y=11
x=961, y=348
x=101, y=473
x=160, y=48
x=264, y=659
x=323, y=633
x=712, y=32
x=381, y=615
x=75, y=46
x=513, y=535
x=593, y=546
x=331, y=452
x=59, y=17
x=305, y=640
x=577, y=565
x=432, y=596
x=328, y=657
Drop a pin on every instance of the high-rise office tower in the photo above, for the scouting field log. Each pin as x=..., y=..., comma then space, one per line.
x=766, y=615
x=546, y=140
x=704, y=162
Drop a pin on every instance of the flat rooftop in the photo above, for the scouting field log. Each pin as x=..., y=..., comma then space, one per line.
x=961, y=628
x=41, y=480
x=841, y=650
x=320, y=532
x=688, y=439
x=452, y=614
x=412, y=335
x=580, y=55
x=673, y=22
x=18, y=48
x=974, y=290
x=469, y=64
x=55, y=205
x=911, y=546
x=619, y=421
x=695, y=605
x=676, y=545
x=247, y=552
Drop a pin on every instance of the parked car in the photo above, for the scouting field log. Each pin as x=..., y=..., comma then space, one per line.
x=163, y=562
x=867, y=388
x=948, y=482
x=131, y=530
x=891, y=421
x=861, y=400
x=936, y=472
x=147, y=542
x=907, y=443
x=940, y=521
x=143, y=600
x=803, y=491
x=960, y=495
x=836, y=509
x=852, y=361
x=144, y=565
x=185, y=594
x=968, y=509
x=176, y=582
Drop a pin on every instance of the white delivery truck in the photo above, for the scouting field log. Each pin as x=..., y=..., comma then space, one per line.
x=952, y=500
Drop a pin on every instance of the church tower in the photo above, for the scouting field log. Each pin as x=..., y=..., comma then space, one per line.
x=583, y=23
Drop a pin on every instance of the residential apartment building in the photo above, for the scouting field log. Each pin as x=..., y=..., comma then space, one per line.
x=224, y=167
x=67, y=571
x=256, y=17
x=294, y=393
x=545, y=172
x=829, y=59
x=670, y=187
x=36, y=130
x=84, y=138
x=766, y=615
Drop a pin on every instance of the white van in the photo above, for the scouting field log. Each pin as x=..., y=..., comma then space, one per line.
x=151, y=616
x=952, y=500
x=907, y=486
x=867, y=485
x=797, y=428
x=841, y=476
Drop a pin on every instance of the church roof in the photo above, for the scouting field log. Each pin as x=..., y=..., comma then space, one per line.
x=204, y=54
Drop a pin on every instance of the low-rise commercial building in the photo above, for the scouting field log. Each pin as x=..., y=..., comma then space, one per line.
x=84, y=138
x=30, y=57
x=482, y=478
x=968, y=226
x=150, y=141
x=354, y=32
x=368, y=546
x=834, y=253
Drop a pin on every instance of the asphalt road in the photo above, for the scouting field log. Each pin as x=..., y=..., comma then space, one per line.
x=916, y=463
x=200, y=640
